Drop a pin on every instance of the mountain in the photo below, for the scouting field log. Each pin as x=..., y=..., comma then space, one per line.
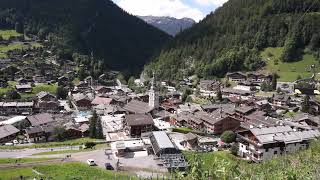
x=169, y=25
x=116, y=39
x=232, y=38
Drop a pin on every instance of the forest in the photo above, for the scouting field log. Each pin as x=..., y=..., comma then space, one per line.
x=115, y=39
x=232, y=38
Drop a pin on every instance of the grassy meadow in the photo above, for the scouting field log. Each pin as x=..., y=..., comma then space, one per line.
x=289, y=72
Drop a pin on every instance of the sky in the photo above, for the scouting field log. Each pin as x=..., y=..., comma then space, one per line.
x=195, y=9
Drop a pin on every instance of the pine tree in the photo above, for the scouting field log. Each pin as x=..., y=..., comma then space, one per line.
x=219, y=95
x=305, y=105
x=274, y=81
x=93, y=125
x=99, y=129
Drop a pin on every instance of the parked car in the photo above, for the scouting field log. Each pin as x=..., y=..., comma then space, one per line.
x=108, y=166
x=91, y=162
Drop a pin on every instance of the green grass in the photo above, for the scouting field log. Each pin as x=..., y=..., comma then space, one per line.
x=62, y=172
x=23, y=160
x=289, y=72
x=98, y=146
x=73, y=142
x=6, y=34
x=52, y=88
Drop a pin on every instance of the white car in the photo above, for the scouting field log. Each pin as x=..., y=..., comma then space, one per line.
x=91, y=162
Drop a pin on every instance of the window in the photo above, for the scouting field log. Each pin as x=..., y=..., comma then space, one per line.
x=275, y=152
x=267, y=149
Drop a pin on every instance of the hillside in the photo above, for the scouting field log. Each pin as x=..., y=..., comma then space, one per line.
x=169, y=25
x=116, y=39
x=233, y=37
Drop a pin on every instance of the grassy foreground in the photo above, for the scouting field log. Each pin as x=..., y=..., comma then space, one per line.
x=289, y=72
x=222, y=165
x=62, y=172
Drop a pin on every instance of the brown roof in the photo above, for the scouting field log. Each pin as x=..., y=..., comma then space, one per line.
x=138, y=119
x=7, y=130
x=101, y=100
x=40, y=119
x=139, y=107
x=33, y=130
x=190, y=136
x=244, y=109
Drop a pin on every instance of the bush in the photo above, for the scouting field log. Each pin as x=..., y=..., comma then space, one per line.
x=228, y=137
x=234, y=149
x=89, y=145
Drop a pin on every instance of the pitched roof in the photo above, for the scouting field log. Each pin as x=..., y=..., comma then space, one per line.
x=138, y=119
x=140, y=107
x=7, y=130
x=40, y=119
x=101, y=100
x=42, y=94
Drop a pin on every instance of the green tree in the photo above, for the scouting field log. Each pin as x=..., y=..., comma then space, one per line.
x=93, y=125
x=99, y=130
x=62, y=93
x=305, y=105
x=234, y=149
x=185, y=94
x=219, y=95
x=228, y=136
x=59, y=133
x=13, y=94
x=274, y=81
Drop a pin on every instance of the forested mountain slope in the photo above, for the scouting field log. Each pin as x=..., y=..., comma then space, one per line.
x=116, y=39
x=231, y=38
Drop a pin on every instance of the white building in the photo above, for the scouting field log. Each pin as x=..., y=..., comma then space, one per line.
x=153, y=95
x=260, y=144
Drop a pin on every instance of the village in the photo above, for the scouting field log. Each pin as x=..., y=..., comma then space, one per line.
x=249, y=114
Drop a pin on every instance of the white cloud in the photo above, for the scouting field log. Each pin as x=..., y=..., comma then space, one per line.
x=173, y=8
x=211, y=2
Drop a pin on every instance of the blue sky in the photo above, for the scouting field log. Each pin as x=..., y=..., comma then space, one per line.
x=195, y=9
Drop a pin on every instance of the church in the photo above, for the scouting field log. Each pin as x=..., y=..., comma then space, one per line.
x=140, y=107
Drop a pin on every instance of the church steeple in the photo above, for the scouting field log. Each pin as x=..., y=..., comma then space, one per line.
x=153, y=94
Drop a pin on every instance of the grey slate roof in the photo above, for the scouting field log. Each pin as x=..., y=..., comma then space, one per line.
x=40, y=119
x=138, y=119
x=162, y=140
x=135, y=106
x=7, y=130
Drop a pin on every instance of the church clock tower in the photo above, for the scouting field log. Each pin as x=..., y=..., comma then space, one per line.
x=153, y=95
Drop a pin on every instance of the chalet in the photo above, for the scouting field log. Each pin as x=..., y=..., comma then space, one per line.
x=82, y=86
x=25, y=88
x=40, y=119
x=82, y=101
x=217, y=122
x=257, y=77
x=135, y=124
x=45, y=96
x=36, y=134
x=236, y=77
x=24, y=108
x=235, y=92
x=22, y=81
x=103, y=89
x=191, y=141
x=281, y=100
x=209, y=85
x=313, y=121
x=8, y=133
x=39, y=79
x=261, y=144
x=76, y=130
